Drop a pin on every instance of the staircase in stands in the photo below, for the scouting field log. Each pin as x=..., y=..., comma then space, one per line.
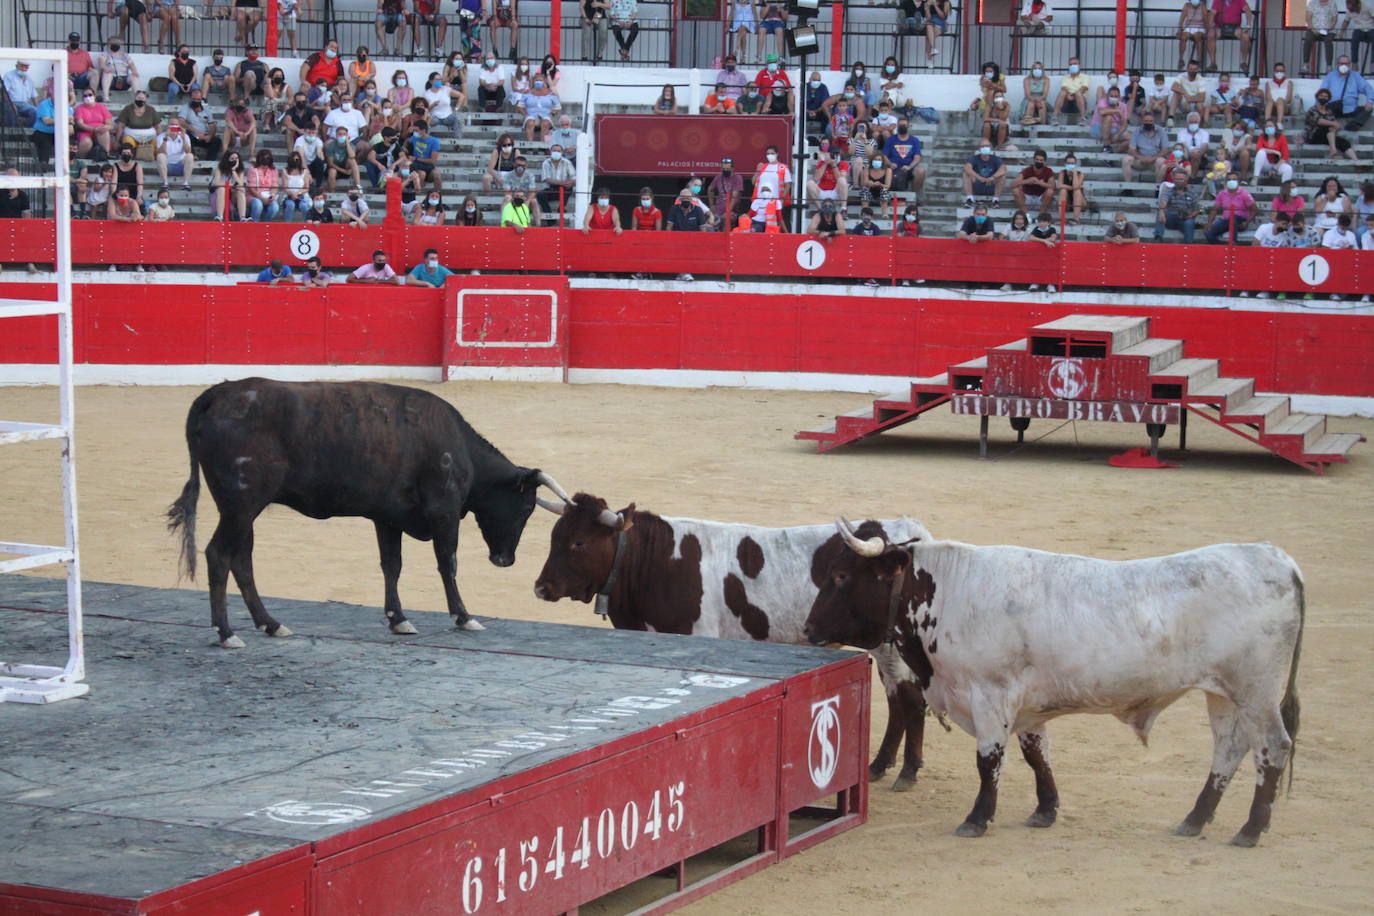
x=1096, y=367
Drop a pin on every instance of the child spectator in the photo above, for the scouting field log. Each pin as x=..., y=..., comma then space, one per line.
x=319, y=211
x=354, y=209
x=1157, y=99
x=666, y=103
x=162, y=210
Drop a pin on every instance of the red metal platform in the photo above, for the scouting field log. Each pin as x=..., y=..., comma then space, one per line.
x=527, y=769
x=1099, y=368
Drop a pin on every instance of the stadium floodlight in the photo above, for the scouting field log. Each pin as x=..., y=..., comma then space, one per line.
x=803, y=9
x=802, y=41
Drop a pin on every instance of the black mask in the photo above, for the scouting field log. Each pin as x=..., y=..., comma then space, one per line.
x=139, y=103
x=73, y=45
x=517, y=200
x=1148, y=127
x=114, y=48
x=126, y=155
x=902, y=129
x=184, y=54
x=196, y=106
x=355, y=197
x=379, y=264
x=727, y=172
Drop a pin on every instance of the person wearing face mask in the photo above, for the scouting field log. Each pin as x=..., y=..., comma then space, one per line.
x=1145, y=151
x=250, y=74
x=129, y=172
x=997, y=121
x=876, y=181
x=1322, y=127
x=1035, y=17
x=778, y=101
x=1034, y=187
x=429, y=272
x=1035, y=94
x=174, y=156
x=864, y=86
x=903, y=153
x=1230, y=19
x=274, y=273
x=93, y=124
x=241, y=127
x=772, y=75
x=646, y=217
x=666, y=103
x=1072, y=196
x=1232, y=210
x=314, y=276
x=1193, y=21
x=826, y=223
x=733, y=78
x=445, y=103
x=844, y=112
x=491, y=85
x=229, y=177
x=162, y=210
x=340, y=159
x=1111, y=121
x=376, y=270
x=725, y=194
x=772, y=173
x=1190, y=92
x=500, y=164
x=718, y=102
x=1158, y=99
x=469, y=214
x=1221, y=100
x=117, y=71
x=601, y=216
x=892, y=87
x=983, y=176
x=322, y=65
x=1122, y=231
x=218, y=76
x=978, y=227
x=1073, y=93
x=750, y=101
x=346, y=118
x=1177, y=208
x=1340, y=238
x=990, y=84
x=82, y=72
x=1195, y=140
x=539, y=107
x=520, y=82
x=560, y=180
x=182, y=73
x=516, y=213
x=1352, y=96
x=319, y=211
x=139, y=121
x=1278, y=94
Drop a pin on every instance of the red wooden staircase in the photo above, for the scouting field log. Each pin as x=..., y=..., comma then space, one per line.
x=1095, y=367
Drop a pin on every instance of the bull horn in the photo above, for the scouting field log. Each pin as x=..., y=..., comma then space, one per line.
x=555, y=507
x=552, y=484
x=611, y=519
x=872, y=547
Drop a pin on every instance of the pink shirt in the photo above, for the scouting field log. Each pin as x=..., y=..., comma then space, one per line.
x=240, y=122
x=369, y=272
x=94, y=113
x=1228, y=11
x=78, y=62
x=1295, y=204
x=1237, y=203
x=263, y=178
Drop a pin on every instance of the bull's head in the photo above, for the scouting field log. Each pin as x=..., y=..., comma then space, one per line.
x=503, y=508
x=856, y=603
x=581, y=547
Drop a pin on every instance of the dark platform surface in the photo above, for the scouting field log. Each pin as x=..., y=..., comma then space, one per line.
x=187, y=759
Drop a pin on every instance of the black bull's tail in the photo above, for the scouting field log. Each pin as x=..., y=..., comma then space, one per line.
x=1289, y=708
x=182, y=513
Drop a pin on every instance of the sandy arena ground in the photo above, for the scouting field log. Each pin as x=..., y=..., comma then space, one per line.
x=729, y=455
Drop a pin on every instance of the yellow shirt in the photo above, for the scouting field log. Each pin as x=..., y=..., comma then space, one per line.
x=1076, y=83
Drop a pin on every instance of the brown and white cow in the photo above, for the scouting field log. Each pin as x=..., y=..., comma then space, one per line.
x=702, y=578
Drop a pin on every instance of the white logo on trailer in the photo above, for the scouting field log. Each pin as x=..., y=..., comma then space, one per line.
x=823, y=747
x=1066, y=378
x=315, y=814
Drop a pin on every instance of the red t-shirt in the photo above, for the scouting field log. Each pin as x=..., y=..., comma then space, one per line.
x=766, y=80
x=322, y=68
x=601, y=220
x=647, y=219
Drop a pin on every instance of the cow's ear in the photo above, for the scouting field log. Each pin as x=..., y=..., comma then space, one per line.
x=527, y=479
x=628, y=514
x=891, y=563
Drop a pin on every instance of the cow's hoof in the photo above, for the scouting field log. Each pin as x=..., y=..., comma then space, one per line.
x=281, y=632
x=233, y=642
x=1041, y=819
x=970, y=829
x=1246, y=840
x=876, y=772
x=904, y=783
x=1188, y=828
x=404, y=628
x=471, y=625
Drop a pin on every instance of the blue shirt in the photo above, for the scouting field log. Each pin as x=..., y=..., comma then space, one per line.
x=45, y=110
x=815, y=97
x=425, y=148
x=901, y=153
x=861, y=229
x=267, y=276
x=1347, y=89
x=433, y=277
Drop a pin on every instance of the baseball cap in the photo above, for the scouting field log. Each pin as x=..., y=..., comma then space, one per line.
x=771, y=59
x=74, y=36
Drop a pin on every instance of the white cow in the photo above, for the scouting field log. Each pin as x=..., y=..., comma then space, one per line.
x=1003, y=639
x=702, y=578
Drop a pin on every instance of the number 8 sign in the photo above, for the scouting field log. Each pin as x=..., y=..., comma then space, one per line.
x=305, y=245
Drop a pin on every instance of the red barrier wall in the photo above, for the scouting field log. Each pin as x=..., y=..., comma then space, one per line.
x=681, y=329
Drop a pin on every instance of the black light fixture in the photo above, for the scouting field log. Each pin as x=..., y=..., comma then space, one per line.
x=802, y=41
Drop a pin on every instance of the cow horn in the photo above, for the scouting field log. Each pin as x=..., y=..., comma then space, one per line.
x=872, y=547
x=552, y=484
x=555, y=507
x=612, y=519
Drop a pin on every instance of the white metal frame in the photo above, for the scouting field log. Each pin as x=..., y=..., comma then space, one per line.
x=23, y=683
x=551, y=341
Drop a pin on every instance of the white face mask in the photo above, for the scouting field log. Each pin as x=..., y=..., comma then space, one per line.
x=985, y=150
x=1037, y=72
x=1192, y=128
x=1232, y=185
x=1073, y=68
x=604, y=201
x=1120, y=224
x=402, y=81
x=347, y=106
x=432, y=262
x=877, y=163
x=433, y=201
x=988, y=74
x=646, y=202
x=772, y=68
x=858, y=71
x=1343, y=69
x=849, y=93
x=1112, y=80
x=998, y=100
x=772, y=157
x=491, y=62
x=555, y=155
x=470, y=208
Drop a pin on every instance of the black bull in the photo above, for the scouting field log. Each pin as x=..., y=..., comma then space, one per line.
x=402, y=457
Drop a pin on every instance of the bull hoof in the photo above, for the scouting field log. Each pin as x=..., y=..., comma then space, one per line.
x=1188, y=828
x=281, y=632
x=233, y=642
x=904, y=783
x=471, y=625
x=876, y=772
x=1041, y=819
x=1245, y=840
x=970, y=829
x=404, y=628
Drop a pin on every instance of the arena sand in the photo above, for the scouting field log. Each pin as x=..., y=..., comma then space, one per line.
x=729, y=455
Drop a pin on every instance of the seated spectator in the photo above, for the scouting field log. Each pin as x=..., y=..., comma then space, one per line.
x=162, y=210
x=520, y=84
x=726, y=193
x=217, y=76
x=129, y=173
x=1035, y=90
x=241, y=127
x=892, y=88
x=733, y=78
x=314, y=276
x=1195, y=140
x=549, y=68
x=909, y=226
x=829, y=179
x=1189, y=92
x=1134, y=95
x=139, y=121
x=1364, y=206
x=1159, y=100
x=295, y=186
x=1122, y=231
x=500, y=164
x=182, y=73
x=1036, y=183
x=1249, y=104
x=1286, y=201
x=1239, y=149
x=445, y=103
x=977, y=228
x=274, y=273
x=1331, y=201
x=516, y=214
x=521, y=181
x=685, y=215
x=866, y=226
x=778, y=101
x=876, y=180
x=320, y=98
x=750, y=101
x=1073, y=94
x=229, y=179
x=560, y=178
x=991, y=84
x=118, y=72
x=1271, y=155
x=1278, y=95
x=650, y=218
x=1221, y=100
x=375, y=271
x=264, y=183
x=340, y=159
x=491, y=85
x=124, y=207
x=319, y=211
x=383, y=156
x=816, y=94
x=825, y=224
x=1232, y=211
x=199, y=126
x=1045, y=233
x=428, y=272
x=346, y=118
x=471, y=214
x=984, y=174
x=23, y=95
x=566, y=136
x=94, y=125
x=311, y=149
x=1111, y=122
x=903, y=152
x=862, y=148
x=1019, y=231
x=1273, y=234
x=99, y=191
x=354, y=209
x=1177, y=208
x=1035, y=17
x=1178, y=161
x=1145, y=151
x=1072, y=195
x=250, y=74
x=1300, y=235
x=601, y=216
x=1322, y=127
x=1347, y=87
x=666, y=103
x=997, y=121
x=863, y=85
x=82, y=72
x=539, y=107
x=175, y=157
x=424, y=155
x=844, y=112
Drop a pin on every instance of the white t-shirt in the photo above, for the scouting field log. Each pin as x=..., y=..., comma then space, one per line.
x=354, y=207
x=1266, y=236
x=440, y=103
x=1190, y=88
x=1367, y=243
x=1193, y=139
x=310, y=148
x=1335, y=238
x=492, y=78
x=1155, y=91
x=353, y=121
x=176, y=148
x=773, y=176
